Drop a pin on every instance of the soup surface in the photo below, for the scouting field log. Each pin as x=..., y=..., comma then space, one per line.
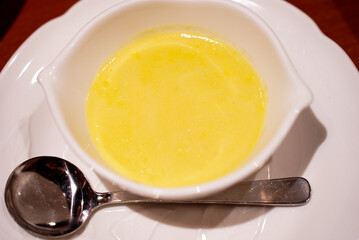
x=176, y=108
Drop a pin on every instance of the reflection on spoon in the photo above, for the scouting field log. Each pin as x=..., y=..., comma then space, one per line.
x=49, y=196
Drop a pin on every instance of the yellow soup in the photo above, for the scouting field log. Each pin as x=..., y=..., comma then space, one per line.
x=176, y=108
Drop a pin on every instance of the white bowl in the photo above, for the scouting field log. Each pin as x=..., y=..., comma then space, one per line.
x=66, y=81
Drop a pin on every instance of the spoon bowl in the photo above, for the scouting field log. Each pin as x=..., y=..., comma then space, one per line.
x=49, y=196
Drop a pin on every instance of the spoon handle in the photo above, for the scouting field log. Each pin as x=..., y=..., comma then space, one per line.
x=293, y=191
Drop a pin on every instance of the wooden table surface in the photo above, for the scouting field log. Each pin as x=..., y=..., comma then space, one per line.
x=338, y=19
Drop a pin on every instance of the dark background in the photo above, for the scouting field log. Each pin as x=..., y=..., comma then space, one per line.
x=338, y=19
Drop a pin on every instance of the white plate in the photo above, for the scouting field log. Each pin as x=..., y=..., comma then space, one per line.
x=322, y=146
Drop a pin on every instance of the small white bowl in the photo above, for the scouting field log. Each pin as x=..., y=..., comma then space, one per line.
x=66, y=81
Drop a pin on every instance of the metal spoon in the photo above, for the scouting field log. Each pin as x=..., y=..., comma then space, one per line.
x=49, y=196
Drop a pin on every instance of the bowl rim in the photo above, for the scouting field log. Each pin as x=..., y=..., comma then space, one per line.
x=186, y=192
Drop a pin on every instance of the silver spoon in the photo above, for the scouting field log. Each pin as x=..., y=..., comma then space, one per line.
x=50, y=197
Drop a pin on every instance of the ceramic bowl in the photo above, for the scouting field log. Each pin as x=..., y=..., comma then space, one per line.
x=67, y=79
